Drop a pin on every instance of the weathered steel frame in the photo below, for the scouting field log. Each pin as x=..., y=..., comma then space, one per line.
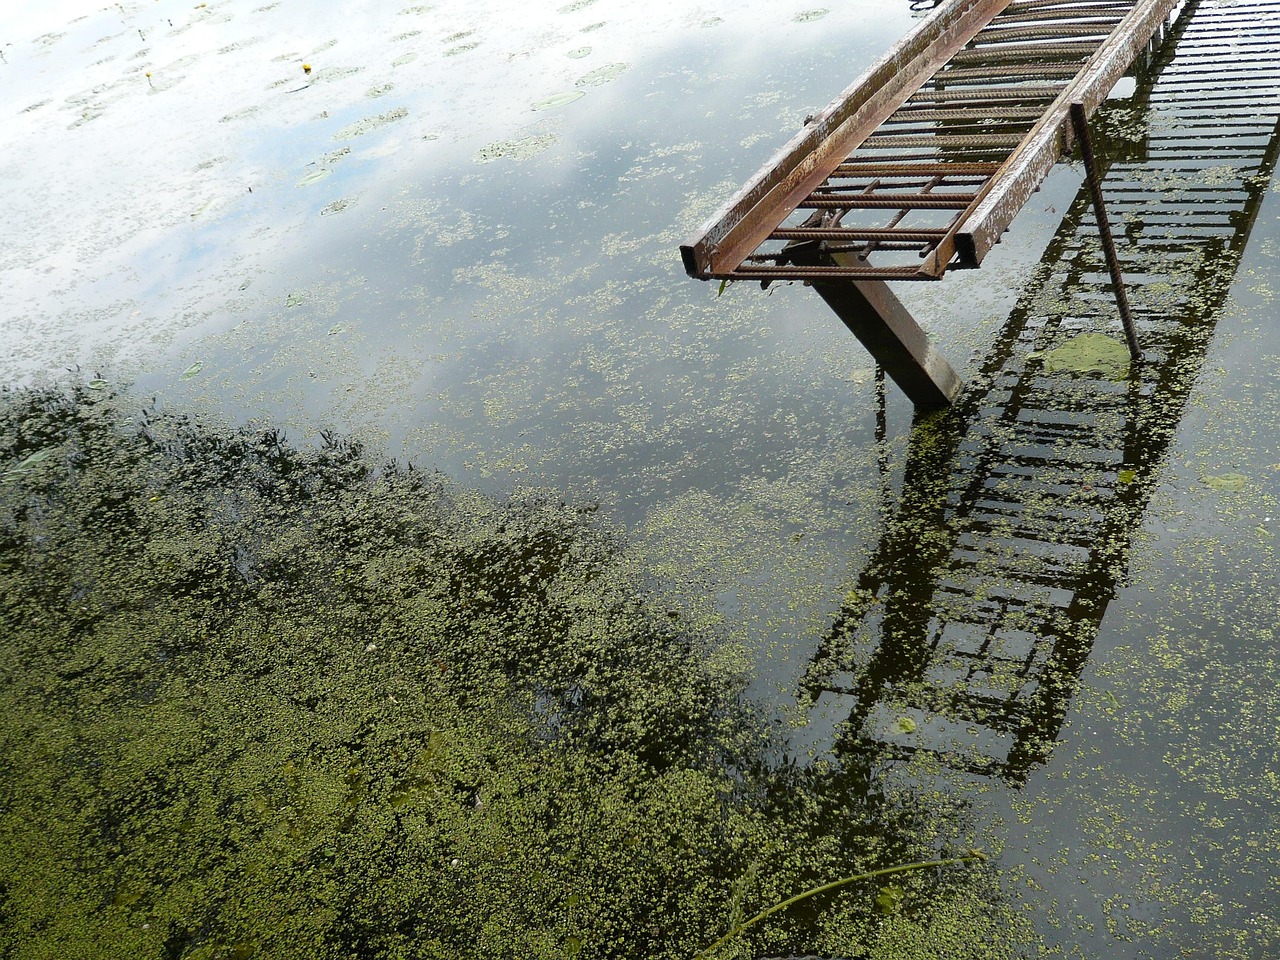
x=1080, y=123
x=830, y=138
x=806, y=174
x=887, y=329
x=788, y=181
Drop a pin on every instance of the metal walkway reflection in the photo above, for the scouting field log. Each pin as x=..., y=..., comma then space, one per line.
x=969, y=627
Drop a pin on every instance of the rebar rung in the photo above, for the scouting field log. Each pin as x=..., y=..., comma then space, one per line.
x=890, y=169
x=860, y=201
x=855, y=233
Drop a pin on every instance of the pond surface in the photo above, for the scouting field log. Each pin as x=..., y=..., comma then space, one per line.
x=450, y=233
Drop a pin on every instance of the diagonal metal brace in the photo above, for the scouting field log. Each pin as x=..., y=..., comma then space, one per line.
x=886, y=328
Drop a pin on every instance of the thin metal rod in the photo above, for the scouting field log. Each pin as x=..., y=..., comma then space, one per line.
x=1080, y=120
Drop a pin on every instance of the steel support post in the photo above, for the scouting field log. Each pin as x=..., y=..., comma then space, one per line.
x=887, y=329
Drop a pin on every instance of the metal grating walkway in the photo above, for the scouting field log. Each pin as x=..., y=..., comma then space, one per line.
x=976, y=613
x=932, y=152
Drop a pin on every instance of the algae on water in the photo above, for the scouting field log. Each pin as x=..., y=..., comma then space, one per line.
x=1090, y=353
x=265, y=701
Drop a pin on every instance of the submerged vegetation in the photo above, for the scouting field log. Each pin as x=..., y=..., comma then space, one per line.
x=266, y=701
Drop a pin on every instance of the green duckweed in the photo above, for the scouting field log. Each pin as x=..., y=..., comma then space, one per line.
x=264, y=701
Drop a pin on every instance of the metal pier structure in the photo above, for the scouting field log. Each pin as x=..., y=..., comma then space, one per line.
x=968, y=628
x=924, y=162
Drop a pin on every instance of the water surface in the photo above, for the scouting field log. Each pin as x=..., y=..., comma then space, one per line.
x=453, y=238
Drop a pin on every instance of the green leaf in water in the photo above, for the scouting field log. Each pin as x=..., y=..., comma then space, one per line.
x=40, y=456
x=315, y=176
x=192, y=370
x=904, y=725
x=14, y=472
x=558, y=100
x=97, y=384
x=1127, y=476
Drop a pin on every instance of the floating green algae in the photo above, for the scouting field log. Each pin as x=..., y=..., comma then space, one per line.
x=264, y=701
x=337, y=206
x=1089, y=353
x=610, y=71
x=1229, y=482
x=521, y=149
x=361, y=127
x=558, y=99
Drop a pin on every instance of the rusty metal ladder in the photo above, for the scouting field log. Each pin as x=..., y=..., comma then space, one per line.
x=923, y=163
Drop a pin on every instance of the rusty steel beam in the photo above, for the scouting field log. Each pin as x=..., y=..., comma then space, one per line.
x=891, y=335
x=926, y=114
x=883, y=325
x=738, y=228
x=854, y=233
x=1050, y=138
x=791, y=272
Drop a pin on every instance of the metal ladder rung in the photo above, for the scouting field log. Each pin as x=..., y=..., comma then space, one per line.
x=1079, y=49
x=946, y=140
x=1019, y=93
x=746, y=272
x=893, y=170
x=855, y=233
x=1038, y=71
x=994, y=34
x=924, y=113
x=902, y=201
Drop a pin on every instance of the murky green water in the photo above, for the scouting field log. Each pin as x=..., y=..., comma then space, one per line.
x=453, y=239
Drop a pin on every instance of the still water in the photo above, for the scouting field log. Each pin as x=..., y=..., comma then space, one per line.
x=451, y=233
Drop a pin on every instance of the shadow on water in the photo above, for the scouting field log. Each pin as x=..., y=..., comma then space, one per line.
x=970, y=624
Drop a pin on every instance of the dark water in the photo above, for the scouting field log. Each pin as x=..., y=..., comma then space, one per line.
x=1054, y=608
